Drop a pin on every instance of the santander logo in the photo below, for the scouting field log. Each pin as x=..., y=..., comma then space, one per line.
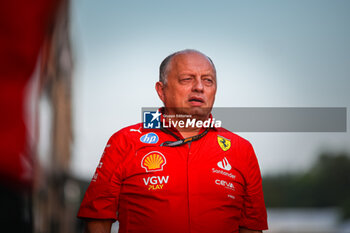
x=224, y=164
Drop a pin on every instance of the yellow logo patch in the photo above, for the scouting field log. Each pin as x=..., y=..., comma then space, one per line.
x=224, y=143
x=153, y=161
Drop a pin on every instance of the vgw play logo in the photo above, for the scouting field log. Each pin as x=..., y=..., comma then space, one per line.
x=151, y=119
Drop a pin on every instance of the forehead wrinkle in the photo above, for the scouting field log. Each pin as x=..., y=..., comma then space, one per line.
x=190, y=67
x=206, y=73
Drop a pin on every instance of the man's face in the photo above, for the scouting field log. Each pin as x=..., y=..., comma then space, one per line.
x=190, y=87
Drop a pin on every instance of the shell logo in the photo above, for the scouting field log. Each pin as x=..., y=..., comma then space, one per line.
x=153, y=161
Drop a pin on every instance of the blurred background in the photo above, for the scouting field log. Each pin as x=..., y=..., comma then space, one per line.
x=90, y=66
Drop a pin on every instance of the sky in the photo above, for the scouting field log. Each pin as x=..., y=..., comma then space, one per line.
x=267, y=54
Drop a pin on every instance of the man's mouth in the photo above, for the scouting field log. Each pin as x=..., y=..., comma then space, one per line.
x=196, y=101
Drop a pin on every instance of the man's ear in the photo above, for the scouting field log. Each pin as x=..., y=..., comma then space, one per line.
x=160, y=91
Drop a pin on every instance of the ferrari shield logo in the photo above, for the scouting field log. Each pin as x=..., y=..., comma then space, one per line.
x=224, y=143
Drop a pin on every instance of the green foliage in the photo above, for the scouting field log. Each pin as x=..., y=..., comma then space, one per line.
x=326, y=184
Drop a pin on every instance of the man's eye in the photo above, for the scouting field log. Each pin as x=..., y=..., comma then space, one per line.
x=186, y=79
x=208, y=80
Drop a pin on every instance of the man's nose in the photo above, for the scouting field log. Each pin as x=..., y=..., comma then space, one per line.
x=197, y=85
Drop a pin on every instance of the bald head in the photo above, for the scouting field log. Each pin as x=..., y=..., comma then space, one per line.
x=167, y=63
x=187, y=84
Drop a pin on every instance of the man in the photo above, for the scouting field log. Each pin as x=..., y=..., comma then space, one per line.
x=178, y=179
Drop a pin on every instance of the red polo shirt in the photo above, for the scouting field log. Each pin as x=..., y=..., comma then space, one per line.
x=211, y=185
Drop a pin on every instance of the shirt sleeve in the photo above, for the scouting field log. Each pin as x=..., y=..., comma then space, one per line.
x=254, y=216
x=101, y=198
